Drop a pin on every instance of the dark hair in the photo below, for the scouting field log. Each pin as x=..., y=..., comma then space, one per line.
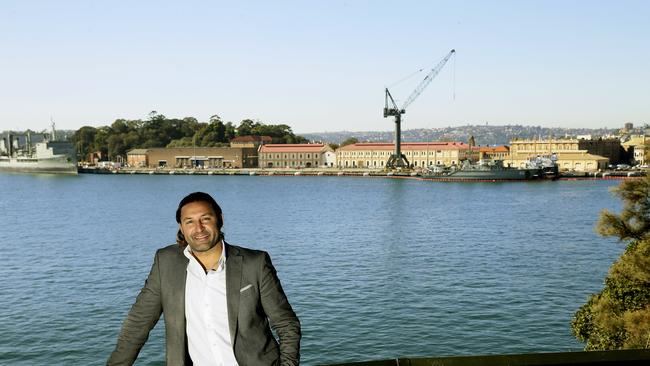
x=197, y=197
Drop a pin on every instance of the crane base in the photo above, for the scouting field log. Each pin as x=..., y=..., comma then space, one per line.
x=395, y=161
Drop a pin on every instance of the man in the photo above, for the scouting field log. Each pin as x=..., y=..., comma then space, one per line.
x=217, y=299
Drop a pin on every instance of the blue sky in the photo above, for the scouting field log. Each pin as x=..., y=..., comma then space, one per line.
x=323, y=65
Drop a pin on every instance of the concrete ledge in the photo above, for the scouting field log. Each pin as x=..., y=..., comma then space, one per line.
x=621, y=357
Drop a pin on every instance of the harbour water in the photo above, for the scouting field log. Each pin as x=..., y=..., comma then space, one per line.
x=375, y=268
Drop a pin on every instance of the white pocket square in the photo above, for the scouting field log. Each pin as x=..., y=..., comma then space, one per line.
x=245, y=288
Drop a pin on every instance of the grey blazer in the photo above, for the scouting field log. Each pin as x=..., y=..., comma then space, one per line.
x=249, y=311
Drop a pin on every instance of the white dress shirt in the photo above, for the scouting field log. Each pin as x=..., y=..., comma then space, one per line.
x=206, y=313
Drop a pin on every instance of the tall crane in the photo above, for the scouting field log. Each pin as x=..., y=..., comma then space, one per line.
x=397, y=159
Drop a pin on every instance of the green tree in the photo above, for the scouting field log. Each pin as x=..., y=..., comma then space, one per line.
x=231, y=131
x=189, y=126
x=101, y=140
x=182, y=142
x=213, y=134
x=119, y=126
x=618, y=317
x=349, y=141
x=84, y=138
x=280, y=134
x=634, y=221
x=245, y=128
x=116, y=146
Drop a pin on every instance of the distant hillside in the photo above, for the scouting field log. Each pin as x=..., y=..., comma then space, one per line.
x=484, y=135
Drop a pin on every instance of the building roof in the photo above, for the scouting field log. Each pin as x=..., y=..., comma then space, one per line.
x=408, y=146
x=562, y=140
x=251, y=138
x=137, y=152
x=495, y=149
x=579, y=154
x=282, y=148
x=635, y=141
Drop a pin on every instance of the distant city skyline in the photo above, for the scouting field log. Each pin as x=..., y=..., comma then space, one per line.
x=323, y=66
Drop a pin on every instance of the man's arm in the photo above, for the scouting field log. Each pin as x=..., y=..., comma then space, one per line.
x=142, y=317
x=277, y=308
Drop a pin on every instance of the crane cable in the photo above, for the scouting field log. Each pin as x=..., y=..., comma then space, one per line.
x=404, y=79
x=454, y=79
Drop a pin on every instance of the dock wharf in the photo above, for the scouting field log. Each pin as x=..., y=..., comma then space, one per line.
x=330, y=172
x=252, y=172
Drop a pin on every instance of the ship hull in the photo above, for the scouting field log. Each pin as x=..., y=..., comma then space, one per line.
x=487, y=175
x=37, y=166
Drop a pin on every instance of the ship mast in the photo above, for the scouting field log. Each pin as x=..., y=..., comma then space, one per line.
x=53, y=137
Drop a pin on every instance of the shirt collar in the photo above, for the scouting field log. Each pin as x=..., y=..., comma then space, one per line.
x=221, y=263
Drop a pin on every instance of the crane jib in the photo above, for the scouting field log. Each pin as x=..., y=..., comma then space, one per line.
x=398, y=160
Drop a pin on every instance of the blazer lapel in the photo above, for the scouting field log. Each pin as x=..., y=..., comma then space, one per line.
x=178, y=281
x=233, y=283
x=176, y=297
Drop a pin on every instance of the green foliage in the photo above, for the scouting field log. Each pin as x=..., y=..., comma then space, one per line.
x=349, y=141
x=160, y=131
x=634, y=221
x=84, y=139
x=182, y=142
x=619, y=316
x=280, y=134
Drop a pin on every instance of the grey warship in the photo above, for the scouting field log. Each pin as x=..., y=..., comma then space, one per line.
x=46, y=156
x=484, y=171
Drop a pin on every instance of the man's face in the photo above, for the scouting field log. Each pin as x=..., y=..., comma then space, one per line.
x=199, y=226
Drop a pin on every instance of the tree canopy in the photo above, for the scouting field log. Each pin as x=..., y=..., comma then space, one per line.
x=159, y=131
x=618, y=317
x=349, y=141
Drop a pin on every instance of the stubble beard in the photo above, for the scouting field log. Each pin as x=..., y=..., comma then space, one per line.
x=204, y=246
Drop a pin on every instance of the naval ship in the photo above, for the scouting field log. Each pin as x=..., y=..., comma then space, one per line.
x=488, y=171
x=48, y=156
